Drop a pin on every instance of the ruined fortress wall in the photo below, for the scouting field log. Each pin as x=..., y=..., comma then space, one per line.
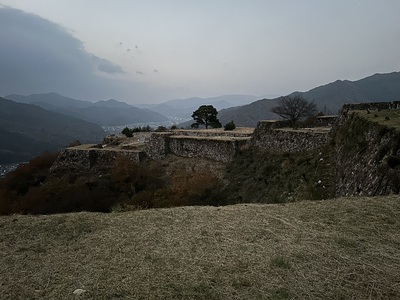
x=367, y=157
x=269, y=135
x=287, y=141
x=87, y=159
x=325, y=121
x=371, y=106
x=222, y=150
x=158, y=146
x=219, y=149
x=212, y=133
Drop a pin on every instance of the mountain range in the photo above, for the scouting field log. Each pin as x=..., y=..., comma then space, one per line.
x=183, y=108
x=27, y=130
x=103, y=113
x=39, y=122
x=329, y=98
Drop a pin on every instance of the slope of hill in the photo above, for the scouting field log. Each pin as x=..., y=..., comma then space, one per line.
x=104, y=113
x=329, y=98
x=335, y=249
x=27, y=130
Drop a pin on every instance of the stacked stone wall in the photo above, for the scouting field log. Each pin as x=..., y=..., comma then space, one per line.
x=216, y=147
x=277, y=137
x=371, y=106
x=88, y=159
x=363, y=154
x=222, y=150
x=213, y=133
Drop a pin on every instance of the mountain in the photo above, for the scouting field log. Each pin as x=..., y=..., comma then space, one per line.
x=329, y=98
x=27, y=130
x=52, y=99
x=104, y=113
x=183, y=108
x=375, y=88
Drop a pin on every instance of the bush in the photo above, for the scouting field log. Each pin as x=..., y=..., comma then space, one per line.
x=27, y=175
x=230, y=126
x=128, y=132
x=161, y=129
x=200, y=187
x=75, y=143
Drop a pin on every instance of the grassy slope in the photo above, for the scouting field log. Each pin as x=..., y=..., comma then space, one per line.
x=334, y=249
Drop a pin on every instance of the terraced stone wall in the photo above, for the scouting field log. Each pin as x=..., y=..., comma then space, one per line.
x=87, y=159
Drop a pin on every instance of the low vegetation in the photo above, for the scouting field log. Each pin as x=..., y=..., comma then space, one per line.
x=33, y=189
x=386, y=117
x=336, y=249
x=229, y=126
x=266, y=177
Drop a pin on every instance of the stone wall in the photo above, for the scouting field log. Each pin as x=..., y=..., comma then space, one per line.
x=79, y=159
x=219, y=148
x=158, y=146
x=367, y=157
x=242, y=132
x=371, y=106
x=222, y=150
x=325, y=121
x=277, y=137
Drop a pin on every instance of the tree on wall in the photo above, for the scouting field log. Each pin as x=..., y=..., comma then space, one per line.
x=206, y=115
x=294, y=108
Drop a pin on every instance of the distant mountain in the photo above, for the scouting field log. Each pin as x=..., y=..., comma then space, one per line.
x=104, y=113
x=27, y=130
x=183, y=108
x=53, y=99
x=249, y=115
x=329, y=98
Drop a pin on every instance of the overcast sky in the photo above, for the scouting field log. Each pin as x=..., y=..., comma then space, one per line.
x=157, y=50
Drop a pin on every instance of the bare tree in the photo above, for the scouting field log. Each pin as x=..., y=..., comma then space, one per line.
x=294, y=108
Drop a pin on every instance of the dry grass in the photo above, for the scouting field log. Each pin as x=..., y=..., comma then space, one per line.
x=337, y=249
x=389, y=118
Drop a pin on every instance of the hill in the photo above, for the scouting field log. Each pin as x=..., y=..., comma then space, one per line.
x=104, y=113
x=27, y=130
x=337, y=249
x=329, y=98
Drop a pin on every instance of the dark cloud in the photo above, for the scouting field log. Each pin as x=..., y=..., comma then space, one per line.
x=139, y=73
x=38, y=56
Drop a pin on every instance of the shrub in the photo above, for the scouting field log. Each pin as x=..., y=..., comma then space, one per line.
x=75, y=143
x=161, y=129
x=31, y=174
x=200, y=187
x=230, y=126
x=127, y=132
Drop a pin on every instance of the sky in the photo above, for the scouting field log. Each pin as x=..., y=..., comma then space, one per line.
x=157, y=50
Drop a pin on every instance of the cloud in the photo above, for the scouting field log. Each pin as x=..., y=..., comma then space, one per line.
x=39, y=56
x=106, y=66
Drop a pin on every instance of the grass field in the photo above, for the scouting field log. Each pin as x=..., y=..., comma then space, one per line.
x=333, y=249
